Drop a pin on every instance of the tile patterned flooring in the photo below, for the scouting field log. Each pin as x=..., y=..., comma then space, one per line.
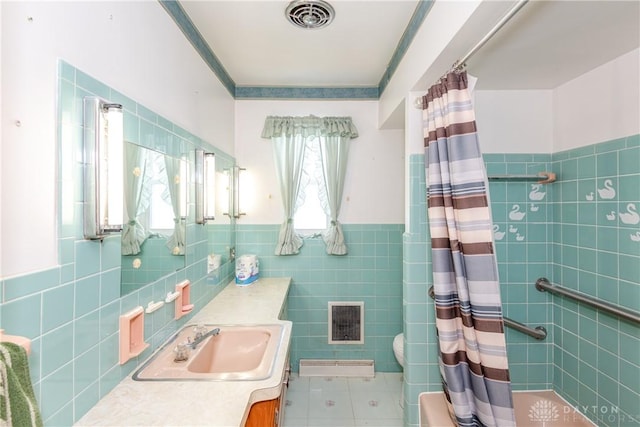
x=344, y=402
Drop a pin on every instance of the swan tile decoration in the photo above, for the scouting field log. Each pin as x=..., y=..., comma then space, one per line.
x=512, y=229
x=608, y=192
x=635, y=237
x=589, y=196
x=519, y=237
x=535, y=193
x=631, y=216
x=534, y=207
x=497, y=234
x=515, y=213
x=611, y=216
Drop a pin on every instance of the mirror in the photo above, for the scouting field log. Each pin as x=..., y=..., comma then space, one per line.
x=221, y=232
x=155, y=214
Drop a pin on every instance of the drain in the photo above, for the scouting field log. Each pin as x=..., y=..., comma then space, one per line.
x=310, y=14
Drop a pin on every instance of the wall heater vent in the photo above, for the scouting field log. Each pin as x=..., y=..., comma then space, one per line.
x=346, y=322
x=336, y=368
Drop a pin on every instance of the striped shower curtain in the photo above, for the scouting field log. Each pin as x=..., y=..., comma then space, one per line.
x=473, y=357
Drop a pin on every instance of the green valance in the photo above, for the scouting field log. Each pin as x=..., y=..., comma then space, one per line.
x=276, y=126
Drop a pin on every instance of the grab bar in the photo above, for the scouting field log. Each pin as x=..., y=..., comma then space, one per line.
x=539, y=332
x=542, y=284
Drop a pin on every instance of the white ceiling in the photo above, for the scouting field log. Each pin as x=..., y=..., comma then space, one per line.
x=259, y=47
x=546, y=44
x=551, y=42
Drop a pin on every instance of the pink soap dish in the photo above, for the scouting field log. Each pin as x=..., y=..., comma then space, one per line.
x=132, y=334
x=183, y=301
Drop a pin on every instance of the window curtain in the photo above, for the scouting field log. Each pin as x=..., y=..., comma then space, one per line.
x=334, y=151
x=133, y=232
x=175, y=243
x=473, y=356
x=289, y=136
x=288, y=139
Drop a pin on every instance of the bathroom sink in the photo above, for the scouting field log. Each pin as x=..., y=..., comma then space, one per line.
x=236, y=353
x=232, y=350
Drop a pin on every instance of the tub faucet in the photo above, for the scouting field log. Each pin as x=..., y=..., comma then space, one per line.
x=201, y=336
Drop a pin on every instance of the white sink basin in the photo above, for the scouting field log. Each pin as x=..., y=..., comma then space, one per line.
x=237, y=353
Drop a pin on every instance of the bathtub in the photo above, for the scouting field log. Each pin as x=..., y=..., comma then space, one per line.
x=533, y=408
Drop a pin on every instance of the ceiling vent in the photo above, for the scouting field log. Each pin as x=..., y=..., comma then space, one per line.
x=310, y=14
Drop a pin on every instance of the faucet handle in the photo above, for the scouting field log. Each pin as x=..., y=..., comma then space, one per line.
x=199, y=331
x=181, y=352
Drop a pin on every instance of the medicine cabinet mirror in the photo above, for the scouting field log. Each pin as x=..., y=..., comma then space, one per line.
x=155, y=215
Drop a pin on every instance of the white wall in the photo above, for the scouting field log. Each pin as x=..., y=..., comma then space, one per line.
x=441, y=24
x=514, y=121
x=374, y=188
x=135, y=48
x=600, y=105
x=509, y=121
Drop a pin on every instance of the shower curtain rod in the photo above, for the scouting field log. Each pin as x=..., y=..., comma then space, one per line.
x=461, y=63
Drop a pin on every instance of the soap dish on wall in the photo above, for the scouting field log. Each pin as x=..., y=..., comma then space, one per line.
x=183, y=302
x=132, y=334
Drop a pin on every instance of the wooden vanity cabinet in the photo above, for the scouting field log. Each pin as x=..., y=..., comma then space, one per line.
x=264, y=414
x=270, y=413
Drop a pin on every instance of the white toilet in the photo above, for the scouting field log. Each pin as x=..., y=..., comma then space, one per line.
x=398, y=350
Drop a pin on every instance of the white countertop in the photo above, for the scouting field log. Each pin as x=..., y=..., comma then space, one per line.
x=210, y=403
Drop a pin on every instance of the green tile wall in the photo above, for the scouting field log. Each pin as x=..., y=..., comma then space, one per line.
x=370, y=272
x=523, y=256
x=574, y=235
x=521, y=211
x=155, y=258
x=71, y=312
x=596, y=250
x=421, y=372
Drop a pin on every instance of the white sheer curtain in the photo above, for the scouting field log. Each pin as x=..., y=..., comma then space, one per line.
x=133, y=232
x=334, y=151
x=288, y=151
x=289, y=136
x=176, y=243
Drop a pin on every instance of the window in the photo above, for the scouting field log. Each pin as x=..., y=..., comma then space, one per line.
x=300, y=197
x=310, y=217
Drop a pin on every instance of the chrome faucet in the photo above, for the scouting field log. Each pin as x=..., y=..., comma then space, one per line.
x=201, y=336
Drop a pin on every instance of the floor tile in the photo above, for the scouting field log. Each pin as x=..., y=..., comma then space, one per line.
x=331, y=422
x=297, y=404
x=365, y=384
x=294, y=422
x=330, y=404
x=379, y=423
x=328, y=384
x=375, y=405
x=344, y=402
x=298, y=384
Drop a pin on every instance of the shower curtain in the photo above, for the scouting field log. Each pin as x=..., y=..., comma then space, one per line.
x=473, y=357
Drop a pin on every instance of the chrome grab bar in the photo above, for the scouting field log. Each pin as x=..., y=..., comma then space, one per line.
x=542, y=284
x=539, y=332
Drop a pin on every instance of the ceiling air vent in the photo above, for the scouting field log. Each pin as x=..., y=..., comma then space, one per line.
x=310, y=14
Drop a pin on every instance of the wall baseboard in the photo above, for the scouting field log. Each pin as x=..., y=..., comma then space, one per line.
x=336, y=368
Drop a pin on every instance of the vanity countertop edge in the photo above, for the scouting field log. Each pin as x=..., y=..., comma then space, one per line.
x=210, y=403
